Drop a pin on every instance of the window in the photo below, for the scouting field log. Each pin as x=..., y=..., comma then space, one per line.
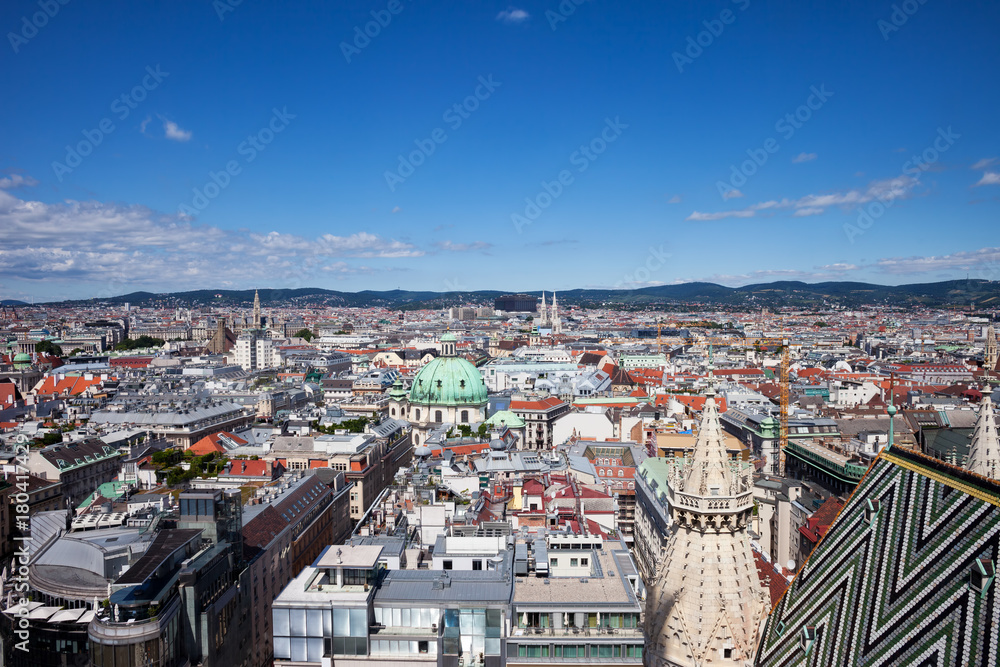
x=554, y=562
x=477, y=564
x=447, y=565
x=416, y=415
x=465, y=416
x=573, y=562
x=584, y=561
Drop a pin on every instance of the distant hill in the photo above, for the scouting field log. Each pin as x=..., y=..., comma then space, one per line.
x=951, y=293
x=12, y=302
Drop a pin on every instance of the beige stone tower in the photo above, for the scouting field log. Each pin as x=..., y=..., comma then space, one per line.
x=706, y=603
x=984, y=453
x=990, y=358
x=256, y=310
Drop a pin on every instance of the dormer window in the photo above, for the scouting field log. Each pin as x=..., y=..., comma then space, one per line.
x=982, y=575
x=872, y=508
x=807, y=638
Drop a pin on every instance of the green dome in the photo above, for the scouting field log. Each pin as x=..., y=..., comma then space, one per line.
x=448, y=381
x=505, y=418
x=22, y=358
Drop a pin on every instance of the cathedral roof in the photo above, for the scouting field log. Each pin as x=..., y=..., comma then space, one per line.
x=904, y=575
x=448, y=381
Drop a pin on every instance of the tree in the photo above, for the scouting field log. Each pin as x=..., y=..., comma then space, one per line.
x=48, y=347
x=138, y=343
x=52, y=438
x=303, y=333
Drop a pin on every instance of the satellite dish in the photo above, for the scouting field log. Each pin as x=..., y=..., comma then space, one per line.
x=790, y=565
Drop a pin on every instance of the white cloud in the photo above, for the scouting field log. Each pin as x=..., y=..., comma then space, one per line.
x=462, y=247
x=396, y=209
x=985, y=162
x=121, y=248
x=676, y=199
x=989, y=178
x=173, y=131
x=144, y=123
x=701, y=217
x=886, y=190
x=16, y=181
x=804, y=157
x=803, y=212
x=985, y=262
x=732, y=194
x=513, y=15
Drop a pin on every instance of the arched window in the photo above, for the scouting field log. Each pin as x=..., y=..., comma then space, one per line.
x=465, y=416
x=416, y=438
x=621, y=473
x=437, y=415
x=416, y=414
x=392, y=411
x=600, y=472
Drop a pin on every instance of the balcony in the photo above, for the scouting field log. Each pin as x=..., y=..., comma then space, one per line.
x=711, y=504
x=592, y=633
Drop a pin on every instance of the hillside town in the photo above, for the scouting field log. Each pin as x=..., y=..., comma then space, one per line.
x=514, y=482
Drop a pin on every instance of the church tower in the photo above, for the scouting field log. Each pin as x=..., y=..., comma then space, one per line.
x=257, y=323
x=555, y=322
x=984, y=453
x=990, y=358
x=543, y=313
x=706, y=603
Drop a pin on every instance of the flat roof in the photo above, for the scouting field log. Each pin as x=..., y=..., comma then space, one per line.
x=607, y=587
x=361, y=556
x=165, y=544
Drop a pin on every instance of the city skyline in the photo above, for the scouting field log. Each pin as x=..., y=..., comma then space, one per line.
x=230, y=145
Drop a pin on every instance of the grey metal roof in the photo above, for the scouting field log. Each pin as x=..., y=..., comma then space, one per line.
x=480, y=587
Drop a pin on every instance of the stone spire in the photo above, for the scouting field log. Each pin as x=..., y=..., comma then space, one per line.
x=706, y=601
x=710, y=467
x=555, y=322
x=256, y=310
x=991, y=355
x=984, y=454
x=543, y=312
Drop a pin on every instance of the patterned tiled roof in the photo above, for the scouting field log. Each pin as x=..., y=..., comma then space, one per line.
x=902, y=577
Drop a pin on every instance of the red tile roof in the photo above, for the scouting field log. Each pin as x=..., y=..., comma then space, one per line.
x=541, y=405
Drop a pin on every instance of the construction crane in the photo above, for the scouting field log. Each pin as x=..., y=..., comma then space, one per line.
x=781, y=344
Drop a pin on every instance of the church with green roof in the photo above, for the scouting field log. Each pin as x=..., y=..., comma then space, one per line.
x=448, y=390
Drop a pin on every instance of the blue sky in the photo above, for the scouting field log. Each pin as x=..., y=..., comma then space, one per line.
x=643, y=109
